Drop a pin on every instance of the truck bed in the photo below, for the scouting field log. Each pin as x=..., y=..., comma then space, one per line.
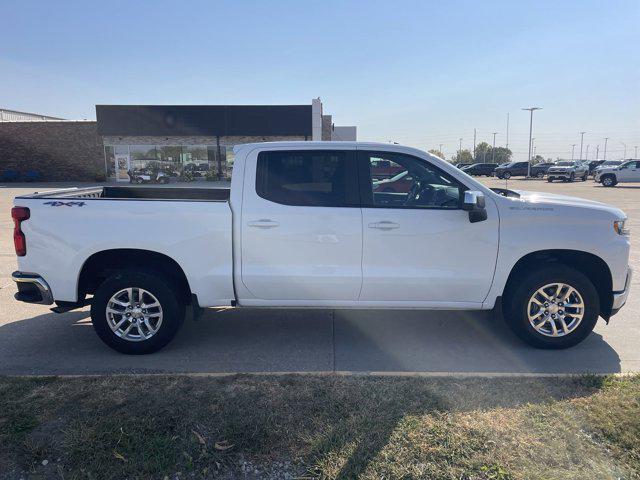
x=137, y=193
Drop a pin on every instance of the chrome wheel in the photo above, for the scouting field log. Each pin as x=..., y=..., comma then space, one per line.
x=134, y=314
x=555, y=310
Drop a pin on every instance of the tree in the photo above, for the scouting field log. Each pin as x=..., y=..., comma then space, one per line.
x=537, y=159
x=462, y=156
x=484, y=153
x=437, y=153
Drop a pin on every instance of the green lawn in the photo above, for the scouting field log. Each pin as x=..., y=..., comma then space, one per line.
x=320, y=427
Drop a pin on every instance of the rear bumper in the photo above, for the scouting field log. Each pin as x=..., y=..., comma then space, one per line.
x=620, y=298
x=32, y=288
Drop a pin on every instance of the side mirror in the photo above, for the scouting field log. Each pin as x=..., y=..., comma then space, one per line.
x=474, y=203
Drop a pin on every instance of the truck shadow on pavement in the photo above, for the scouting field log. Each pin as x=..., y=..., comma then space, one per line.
x=269, y=340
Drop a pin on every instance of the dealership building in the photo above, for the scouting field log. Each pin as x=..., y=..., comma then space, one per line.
x=156, y=142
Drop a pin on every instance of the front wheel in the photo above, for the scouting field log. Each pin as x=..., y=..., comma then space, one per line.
x=572, y=177
x=552, y=307
x=136, y=312
x=608, y=181
x=549, y=179
x=540, y=174
x=506, y=175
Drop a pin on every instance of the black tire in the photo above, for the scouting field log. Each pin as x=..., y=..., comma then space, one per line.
x=584, y=177
x=506, y=175
x=154, y=283
x=517, y=298
x=572, y=176
x=500, y=176
x=540, y=174
x=608, y=181
x=549, y=179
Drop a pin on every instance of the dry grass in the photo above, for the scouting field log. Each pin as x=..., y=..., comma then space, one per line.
x=324, y=427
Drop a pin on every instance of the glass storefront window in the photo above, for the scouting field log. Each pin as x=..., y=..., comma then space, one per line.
x=170, y=162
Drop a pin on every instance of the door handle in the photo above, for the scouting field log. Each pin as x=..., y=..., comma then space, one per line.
x=263, y=223
x=384, y=225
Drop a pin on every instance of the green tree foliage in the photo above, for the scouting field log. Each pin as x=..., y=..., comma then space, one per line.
x=537, y=159
x=462, y=156
x=484, y=153
x=437, y=153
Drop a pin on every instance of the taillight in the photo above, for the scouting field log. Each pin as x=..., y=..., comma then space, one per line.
x=19, y=214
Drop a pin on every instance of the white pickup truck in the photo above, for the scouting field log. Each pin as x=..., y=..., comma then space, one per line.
x=303, y=225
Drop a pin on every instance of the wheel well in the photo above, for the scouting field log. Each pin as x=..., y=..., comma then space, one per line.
x=101, y=265
x=592, y=266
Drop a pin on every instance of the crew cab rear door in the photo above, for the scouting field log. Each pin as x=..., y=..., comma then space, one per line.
x=301, y=227
x=419, y=247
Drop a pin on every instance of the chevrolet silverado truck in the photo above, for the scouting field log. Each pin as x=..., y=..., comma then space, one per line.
x=568, y=171
x=303, y=226
x=610, y=176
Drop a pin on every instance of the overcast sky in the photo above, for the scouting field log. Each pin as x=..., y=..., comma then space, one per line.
x=419, y=73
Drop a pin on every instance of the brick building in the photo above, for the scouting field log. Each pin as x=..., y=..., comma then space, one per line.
x=172, y=142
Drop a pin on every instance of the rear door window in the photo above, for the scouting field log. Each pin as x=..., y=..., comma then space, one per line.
x=313, y=178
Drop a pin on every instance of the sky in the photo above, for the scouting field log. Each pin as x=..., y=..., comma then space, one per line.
x=419, y=73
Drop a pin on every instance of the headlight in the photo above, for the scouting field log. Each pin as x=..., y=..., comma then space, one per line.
x=620, y=228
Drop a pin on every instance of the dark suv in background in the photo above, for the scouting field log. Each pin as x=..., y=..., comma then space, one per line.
x=479, y=169
x=513, y=169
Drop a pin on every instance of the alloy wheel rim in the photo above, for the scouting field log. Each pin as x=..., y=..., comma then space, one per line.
x=555, y=310
x=134, y=314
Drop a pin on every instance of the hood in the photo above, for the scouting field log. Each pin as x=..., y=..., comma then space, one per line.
x=565, y=200
x=561, y=167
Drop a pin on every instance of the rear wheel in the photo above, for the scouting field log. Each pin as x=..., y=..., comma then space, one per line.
x=552, y=307
x=506, y=175
x=136, y=312
x=549, y=179
x=540, y=174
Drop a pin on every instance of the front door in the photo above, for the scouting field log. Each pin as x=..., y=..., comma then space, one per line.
x=629, y=172
x=302, y=226
x=419, y=247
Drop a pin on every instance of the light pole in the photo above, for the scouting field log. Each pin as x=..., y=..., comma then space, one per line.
x=531, y=110
x=507, y=145
x=581, y=142
x=604, y=157
x=625, y=150
x=460, y=151
x=573, y=149
x=597, y=151
x=636, y=154
x=587, y=155
x=493, y=149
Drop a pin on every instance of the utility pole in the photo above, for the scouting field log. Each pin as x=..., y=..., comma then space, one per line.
x=636, y=154
x=493, y=149
x=507, y=146
x=531, y=110
x=573, y=149
x=460, y=149
x=604, y=157
x=597, y=151
x=473, y=154
x=440, y=150
x=625, y=150
x=581, y=142
x=587, y=155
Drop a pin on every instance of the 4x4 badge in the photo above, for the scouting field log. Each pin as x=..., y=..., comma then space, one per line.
x=66, y=204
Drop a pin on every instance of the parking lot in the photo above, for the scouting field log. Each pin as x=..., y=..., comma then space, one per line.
x=35, y=341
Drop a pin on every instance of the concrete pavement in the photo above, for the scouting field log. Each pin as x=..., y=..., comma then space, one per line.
x=35, y=341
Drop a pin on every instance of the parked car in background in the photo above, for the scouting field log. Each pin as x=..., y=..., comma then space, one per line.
x=148, y=176
x=610, y=176
x=593, y=164
x=282, y=237
x=539, y=170
x=463, y=165
x=568, y=171
x=512, y=169
x=480, y=169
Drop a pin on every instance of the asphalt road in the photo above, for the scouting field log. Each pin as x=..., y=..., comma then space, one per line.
x=35, y=341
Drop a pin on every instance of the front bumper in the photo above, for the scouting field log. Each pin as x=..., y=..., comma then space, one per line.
x=620, y=298
x=32, y=288
x=559, y=174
